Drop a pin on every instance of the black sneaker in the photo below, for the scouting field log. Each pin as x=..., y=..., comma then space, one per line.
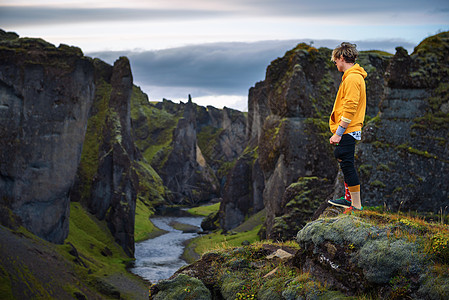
x=342, y=202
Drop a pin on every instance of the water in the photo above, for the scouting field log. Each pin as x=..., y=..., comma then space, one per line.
x=160, y=258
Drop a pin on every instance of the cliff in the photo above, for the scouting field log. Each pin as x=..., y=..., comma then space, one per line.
x=68, y=156
x=404, y=149
x=189, y=146
x=106, y=180
x=404, y=138
x=288, y=126
x=46, y=94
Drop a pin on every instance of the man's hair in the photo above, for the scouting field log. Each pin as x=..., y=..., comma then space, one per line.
x=348, y=51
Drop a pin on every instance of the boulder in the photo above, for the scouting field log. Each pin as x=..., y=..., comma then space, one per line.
x=354, y=256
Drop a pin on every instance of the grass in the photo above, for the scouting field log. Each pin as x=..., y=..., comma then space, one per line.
x=89, y=263
x=143, y=227
x=204, y=210
x=248, y=231
x=217, y=240
x=92, y=237
x=271, y=279
x=433, y=236
x=104, y=262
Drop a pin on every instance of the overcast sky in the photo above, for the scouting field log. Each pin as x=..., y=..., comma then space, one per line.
x=216, y=50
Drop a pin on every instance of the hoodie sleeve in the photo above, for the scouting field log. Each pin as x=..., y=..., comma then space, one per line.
x=351, y=97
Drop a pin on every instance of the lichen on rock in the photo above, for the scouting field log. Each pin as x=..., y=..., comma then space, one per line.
x=182, y=287
x=355, y=256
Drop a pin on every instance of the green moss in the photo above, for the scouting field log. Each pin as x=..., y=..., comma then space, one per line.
x=153, y=127
x=378, y=52
x=434, y=121
x=204, y=210
x=248, y=231
x=232, y=286
x=151, y=189
x=383, y=168
x=378, y=183
x=5, y=285
x=365, y=169
x=318, y=126
x=252, y=152
x=372, y=121
x=37, y=287
x=91, y=237
x=207, y=139
x=225, y=168
x=269, y=142
x=94, y=138
x=143, y=227
x=409, y=149
x=186, y=228
x=216, y=240
x=182, y=287
x=397, y=189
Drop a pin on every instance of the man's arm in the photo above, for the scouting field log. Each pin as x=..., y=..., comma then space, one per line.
x=335, y=139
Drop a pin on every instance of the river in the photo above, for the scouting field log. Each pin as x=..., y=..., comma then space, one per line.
x=160, y=258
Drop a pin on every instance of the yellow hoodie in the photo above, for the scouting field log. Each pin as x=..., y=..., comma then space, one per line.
x=350, y=103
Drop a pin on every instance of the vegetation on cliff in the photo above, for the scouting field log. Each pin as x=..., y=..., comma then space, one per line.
x=89, y=265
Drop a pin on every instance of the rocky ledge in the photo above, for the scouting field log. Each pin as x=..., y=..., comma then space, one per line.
x=372, y=254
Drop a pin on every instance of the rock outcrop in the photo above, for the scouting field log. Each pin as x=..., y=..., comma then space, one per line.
x=289, y=125
x=183, y=169
x=107, y=180
x=242, y=193
x=352, y=255
x=45, y=97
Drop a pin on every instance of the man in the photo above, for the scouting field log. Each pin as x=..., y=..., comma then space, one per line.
x=346, y=121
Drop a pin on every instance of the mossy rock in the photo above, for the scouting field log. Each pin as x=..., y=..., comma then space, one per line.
x=231, y=286
x=211, y=222
x=185, y=228
x=362, y=255
x=182, y=287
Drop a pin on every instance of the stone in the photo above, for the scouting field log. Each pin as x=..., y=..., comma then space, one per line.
x=282, y=254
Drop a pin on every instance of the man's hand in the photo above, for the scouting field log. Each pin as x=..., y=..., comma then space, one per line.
x=335, y=139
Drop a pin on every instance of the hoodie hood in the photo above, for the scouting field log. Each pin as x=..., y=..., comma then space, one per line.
x=356, y=69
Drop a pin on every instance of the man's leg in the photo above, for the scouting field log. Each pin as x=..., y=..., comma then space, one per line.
x=355, y=195
x=345, y=156
x=347, y=193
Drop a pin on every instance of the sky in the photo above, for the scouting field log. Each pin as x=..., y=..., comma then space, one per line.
x=216, y=50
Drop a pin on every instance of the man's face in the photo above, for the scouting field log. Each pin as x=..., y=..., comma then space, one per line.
x=339, y=63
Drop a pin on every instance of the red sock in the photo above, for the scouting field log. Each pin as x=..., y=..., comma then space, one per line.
x=347, y=193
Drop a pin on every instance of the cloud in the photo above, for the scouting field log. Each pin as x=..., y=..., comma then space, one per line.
x=17, y=16
x=224, y=68
x=377, y=12
x=211, y=70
